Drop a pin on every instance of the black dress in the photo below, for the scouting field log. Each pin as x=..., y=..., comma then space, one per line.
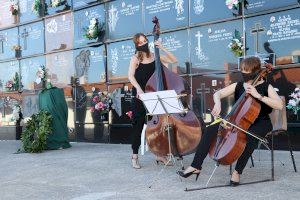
x=142, y=75
x=261, y=126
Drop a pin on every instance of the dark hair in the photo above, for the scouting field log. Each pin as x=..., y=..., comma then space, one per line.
x=135, y=39
x=251, y=64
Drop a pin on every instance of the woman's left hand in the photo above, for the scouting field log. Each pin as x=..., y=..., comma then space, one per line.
x=252, y=90
x=158, y=44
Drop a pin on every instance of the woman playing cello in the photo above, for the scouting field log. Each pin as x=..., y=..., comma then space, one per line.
x=268, y=99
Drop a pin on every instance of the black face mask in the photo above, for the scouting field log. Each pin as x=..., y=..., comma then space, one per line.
x=251, y=76
x=143, y=48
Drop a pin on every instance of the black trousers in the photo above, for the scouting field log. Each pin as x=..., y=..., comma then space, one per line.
x=260, y=127
x=138, y=120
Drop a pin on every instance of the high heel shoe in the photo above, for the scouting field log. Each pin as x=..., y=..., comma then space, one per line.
x=234, y=183
x=163, y=161
x=135, y=163
x=185, y=175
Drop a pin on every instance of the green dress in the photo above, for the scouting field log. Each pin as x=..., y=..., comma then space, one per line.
x=53, y=101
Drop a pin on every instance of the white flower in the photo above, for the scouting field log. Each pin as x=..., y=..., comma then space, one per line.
x=93, y=21
x=297, y=89
x=292, y=102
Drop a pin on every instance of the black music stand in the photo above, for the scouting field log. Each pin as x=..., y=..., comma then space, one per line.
x=163, y=103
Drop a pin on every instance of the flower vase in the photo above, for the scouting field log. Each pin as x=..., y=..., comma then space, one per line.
x=104, y=117
x=16, y=19
x=17, y=53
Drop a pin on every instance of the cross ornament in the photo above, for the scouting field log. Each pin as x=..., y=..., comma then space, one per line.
x=256, y=30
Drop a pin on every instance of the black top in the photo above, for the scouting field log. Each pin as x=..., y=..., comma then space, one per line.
x=143, y=74
x=263, y=90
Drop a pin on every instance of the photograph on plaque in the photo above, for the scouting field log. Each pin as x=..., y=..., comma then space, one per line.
x=59, y=32
x=54, y=6
x=83, y=3
x=122, y=13
x=29, y=68
x=60, y=68
x=89, y=64
x=9, y=42
x=30, y=105
x=118, y=59
x=26, y=12
x=264, y=5
x=8, y=71
x=276, y=33
x=203, y=11
x=6, y=16
x=87, y=20
x=171, y=14
x=32, y=38
x=177, y=43
x=210, y=47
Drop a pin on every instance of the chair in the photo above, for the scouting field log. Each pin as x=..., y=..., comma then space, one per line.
x=279, y=122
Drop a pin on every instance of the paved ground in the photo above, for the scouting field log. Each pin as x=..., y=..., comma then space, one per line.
x=103, y=171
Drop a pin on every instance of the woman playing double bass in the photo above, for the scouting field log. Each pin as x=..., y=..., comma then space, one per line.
x=141, y=68
x=268, y=99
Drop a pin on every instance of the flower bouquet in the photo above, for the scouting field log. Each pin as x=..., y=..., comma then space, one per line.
x=14, y=7
x=293, y=103
x=236, y=44
x=17, y=49
x=95, y=29
x=236, y=5
x=100, y=103
x=37, y=7
x=57, y=3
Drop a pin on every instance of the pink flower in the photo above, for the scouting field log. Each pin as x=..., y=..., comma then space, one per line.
x=129, y=114
x=96, y=99
x=92, y=109
x=101, y=105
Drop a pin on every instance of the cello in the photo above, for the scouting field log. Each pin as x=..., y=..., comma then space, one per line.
x=185, y=128
x=231, y=139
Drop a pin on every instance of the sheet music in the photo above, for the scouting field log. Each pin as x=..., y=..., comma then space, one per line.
x=169, y=99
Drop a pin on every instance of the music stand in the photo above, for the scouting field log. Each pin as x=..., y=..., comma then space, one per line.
x=163, y=103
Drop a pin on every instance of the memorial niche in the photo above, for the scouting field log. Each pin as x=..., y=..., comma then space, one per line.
x=202, y=11
x=60, y=68
x=26, y=11
x=57, y=6
x=269, y=33
x=59, y=32
x=171, y=14
x=177, y=43
x=262, y=5
x=122, y=13
x=32, y=38
x=6, y=17
x=118, y=59
x=203, y=89
x=8, y=71
x=209, y=46
x=89, y=65
x=82, y=3
x=8, y=41
x=83, y=19
x=29, y=68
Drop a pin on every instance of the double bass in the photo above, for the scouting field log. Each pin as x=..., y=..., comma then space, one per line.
x=231, y=138
x=185, y=128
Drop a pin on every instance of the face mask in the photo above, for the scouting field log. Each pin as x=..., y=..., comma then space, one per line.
x=247, y=77
x=143, y=48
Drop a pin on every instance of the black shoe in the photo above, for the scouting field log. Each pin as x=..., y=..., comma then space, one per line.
x=234, y=183
x=185, y=175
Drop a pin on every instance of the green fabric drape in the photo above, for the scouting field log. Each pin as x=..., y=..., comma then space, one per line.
x=53, y=101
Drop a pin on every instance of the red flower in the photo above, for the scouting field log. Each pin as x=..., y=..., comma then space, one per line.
x=129, y=114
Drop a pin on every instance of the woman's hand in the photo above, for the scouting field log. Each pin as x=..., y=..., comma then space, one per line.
x=252, y=90
x=159, y=45
x=216, y=110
